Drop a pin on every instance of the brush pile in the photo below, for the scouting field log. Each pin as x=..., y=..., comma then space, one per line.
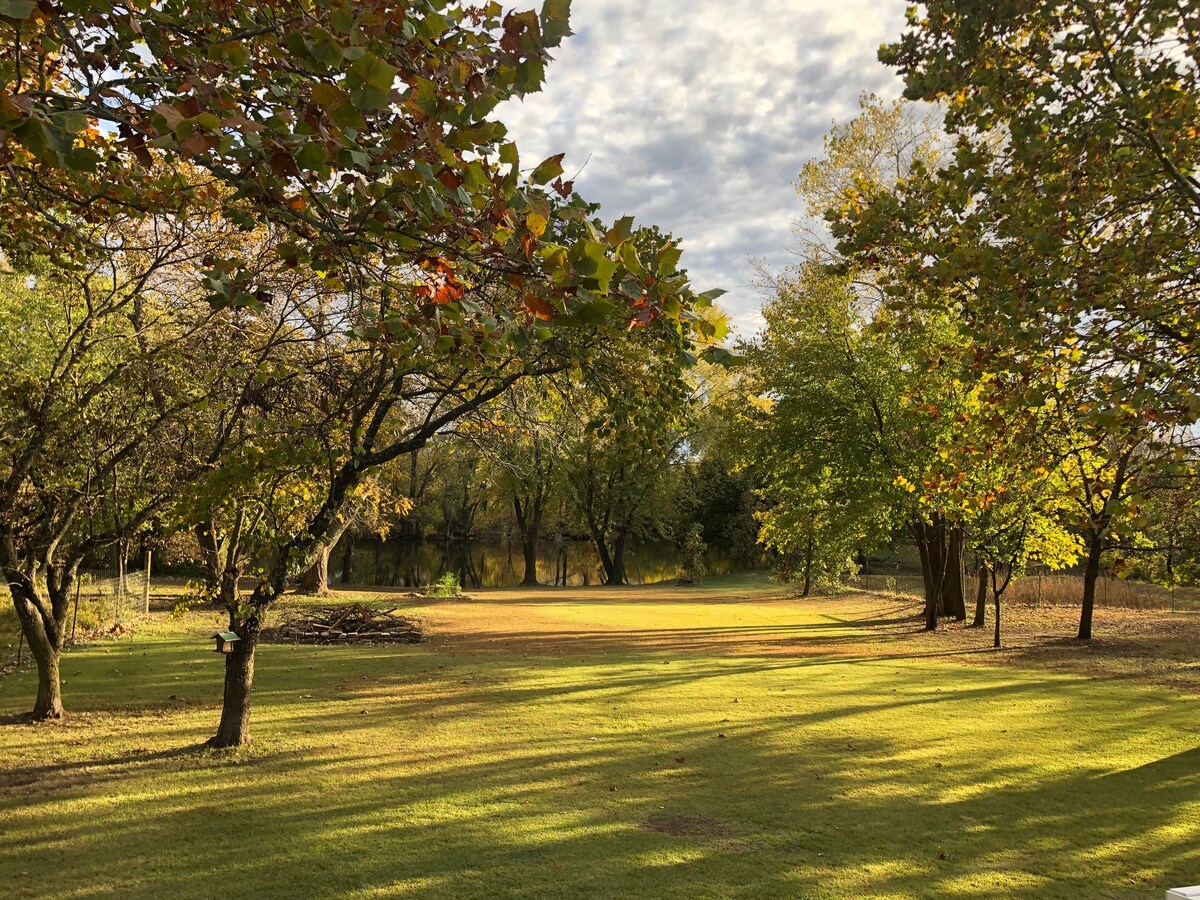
x=350, y=624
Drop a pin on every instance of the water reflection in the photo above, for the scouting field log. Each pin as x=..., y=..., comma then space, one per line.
x=484, y=564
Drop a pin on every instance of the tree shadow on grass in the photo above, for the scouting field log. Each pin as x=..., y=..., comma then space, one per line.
x=793, y=812
x=467, y=770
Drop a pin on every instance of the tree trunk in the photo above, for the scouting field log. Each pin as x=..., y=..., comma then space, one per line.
x=44, y=627
x=1090, y=575
x=929, y=575
x=996, y=639
x=315, y=581
x=49, y=696
x=808, y=562
x=234, y=730
x=529, y=523
x=606, y=560
x=981, y=598
x=955, y=600
x=529, y=549
x=618, y=576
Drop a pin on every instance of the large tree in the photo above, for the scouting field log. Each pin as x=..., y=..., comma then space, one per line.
x=1066, y=222
x=361, y=138
x=96, y=380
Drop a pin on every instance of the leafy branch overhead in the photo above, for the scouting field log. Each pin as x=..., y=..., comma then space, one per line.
x=364, y=132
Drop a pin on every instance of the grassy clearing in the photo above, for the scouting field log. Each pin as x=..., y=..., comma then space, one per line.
x=722, y=741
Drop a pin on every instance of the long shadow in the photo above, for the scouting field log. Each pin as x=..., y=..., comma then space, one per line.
x=589, y=768
x=771, y=808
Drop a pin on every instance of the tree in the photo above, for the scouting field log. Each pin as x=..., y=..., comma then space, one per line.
x=616, y=455
x=1105, y=477
x=1013, y=506
x=521, y=435
x=1087, y=188
x=691, y=556
x=897, y=353
x=1064, y=225
x=94, y=384
x=853, y=409
x=361, y=140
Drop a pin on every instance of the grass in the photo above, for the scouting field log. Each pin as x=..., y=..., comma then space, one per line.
x=722, y=741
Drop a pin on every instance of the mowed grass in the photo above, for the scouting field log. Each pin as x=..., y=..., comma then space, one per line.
x=724, y=741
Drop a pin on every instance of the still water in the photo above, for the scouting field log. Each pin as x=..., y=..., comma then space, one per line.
x=484, y=564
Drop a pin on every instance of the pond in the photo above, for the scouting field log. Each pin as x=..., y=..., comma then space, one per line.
x=496, y=563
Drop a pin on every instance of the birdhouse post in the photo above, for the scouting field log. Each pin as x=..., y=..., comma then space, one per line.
x=226, y=641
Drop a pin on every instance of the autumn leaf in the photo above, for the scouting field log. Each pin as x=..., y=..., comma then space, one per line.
x=540, y=307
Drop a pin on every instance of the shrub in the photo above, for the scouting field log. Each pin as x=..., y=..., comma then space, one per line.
x=446, y=587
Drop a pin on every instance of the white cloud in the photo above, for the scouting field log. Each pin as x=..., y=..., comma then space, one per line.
x=698, y=116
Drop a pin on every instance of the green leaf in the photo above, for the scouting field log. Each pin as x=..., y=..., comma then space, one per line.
x=232, y=52
x=709, y=297
x=621, y=231
x=312, y=155
x=324, y=47
x=548, y=170
x=596, y=313
x=668, y=260
x=370, y=81
x=17, y=9
x=556, y=21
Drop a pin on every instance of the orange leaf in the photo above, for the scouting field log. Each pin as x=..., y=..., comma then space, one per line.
x=539, y=306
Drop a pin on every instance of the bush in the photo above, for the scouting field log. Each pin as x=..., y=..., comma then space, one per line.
x=446, y=587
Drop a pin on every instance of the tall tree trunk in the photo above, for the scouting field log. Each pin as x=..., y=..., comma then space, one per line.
x=315, y=581
x=1090, y=575
x=955, y=600
x=924, y=533
x=529, y=523
x=996, y=600
x=234, y=729
x=529, y=549
x=981, y=597
x=617, y=576
x=606, y=560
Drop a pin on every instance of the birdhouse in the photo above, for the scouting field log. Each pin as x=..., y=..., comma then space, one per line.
x=225, y=641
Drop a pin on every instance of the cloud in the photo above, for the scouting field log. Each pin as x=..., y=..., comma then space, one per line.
x=697, y=117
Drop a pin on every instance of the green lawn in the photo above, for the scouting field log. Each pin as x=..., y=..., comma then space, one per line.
x=655, y=742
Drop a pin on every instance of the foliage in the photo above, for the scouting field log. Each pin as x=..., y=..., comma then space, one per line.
x=446, y=587
x=691, y=556
x=1067, y=221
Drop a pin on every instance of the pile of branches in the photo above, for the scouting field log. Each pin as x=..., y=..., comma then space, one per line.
x=351, y=624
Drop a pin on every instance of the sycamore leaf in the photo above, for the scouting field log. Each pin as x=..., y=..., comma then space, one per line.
x=370, y=81
x=548, y=170
x=536, y=224
x=540, y=307
x=556, y=21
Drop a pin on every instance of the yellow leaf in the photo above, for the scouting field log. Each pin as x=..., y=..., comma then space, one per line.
x=537, y=224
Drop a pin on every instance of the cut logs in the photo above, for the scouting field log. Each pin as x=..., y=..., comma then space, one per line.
x=351, y=624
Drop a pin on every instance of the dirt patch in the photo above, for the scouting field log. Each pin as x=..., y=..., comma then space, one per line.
x=1147, y=646
x=686, y=826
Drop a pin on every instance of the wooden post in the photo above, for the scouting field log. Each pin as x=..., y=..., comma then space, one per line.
x=120, y=581
x=146, y=586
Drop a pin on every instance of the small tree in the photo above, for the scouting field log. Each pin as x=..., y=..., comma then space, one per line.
x=691, y=556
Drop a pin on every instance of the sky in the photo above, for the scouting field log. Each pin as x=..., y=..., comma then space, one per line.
x=697, y=116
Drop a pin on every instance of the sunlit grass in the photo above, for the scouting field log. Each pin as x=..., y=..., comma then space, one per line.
x=654, y=742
